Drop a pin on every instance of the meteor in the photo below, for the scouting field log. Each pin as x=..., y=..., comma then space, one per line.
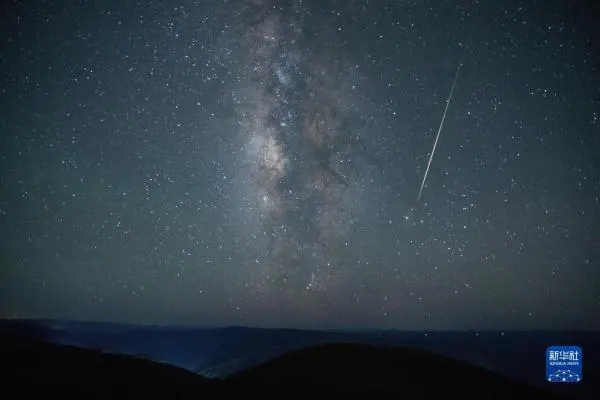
x=441, y=126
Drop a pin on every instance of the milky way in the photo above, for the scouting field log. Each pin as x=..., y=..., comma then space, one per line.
x=304, y=163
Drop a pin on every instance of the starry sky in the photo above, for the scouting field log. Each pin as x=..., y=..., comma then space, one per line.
x=258, y=162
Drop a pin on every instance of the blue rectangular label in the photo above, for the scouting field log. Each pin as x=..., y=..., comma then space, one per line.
x=564, y=364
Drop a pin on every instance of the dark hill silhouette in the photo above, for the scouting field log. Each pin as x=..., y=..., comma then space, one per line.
x=32, y=367
x=347, y=370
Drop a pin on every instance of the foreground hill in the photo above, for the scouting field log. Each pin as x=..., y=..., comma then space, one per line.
x=33, y=367
x=347, y=370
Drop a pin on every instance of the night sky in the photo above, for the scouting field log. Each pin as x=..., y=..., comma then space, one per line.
x=252, y=162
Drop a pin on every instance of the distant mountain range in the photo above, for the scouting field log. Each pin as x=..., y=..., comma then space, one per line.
x=226, y=352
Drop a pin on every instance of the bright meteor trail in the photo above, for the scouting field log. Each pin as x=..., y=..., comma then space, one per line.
x=440, y=128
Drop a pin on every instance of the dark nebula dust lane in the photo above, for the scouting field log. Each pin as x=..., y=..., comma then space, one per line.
x=261, y=162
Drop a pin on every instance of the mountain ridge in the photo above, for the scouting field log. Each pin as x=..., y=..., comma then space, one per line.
x=222, y=352
x=360, y=371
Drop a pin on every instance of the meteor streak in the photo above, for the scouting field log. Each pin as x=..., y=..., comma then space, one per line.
x=441, y=126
